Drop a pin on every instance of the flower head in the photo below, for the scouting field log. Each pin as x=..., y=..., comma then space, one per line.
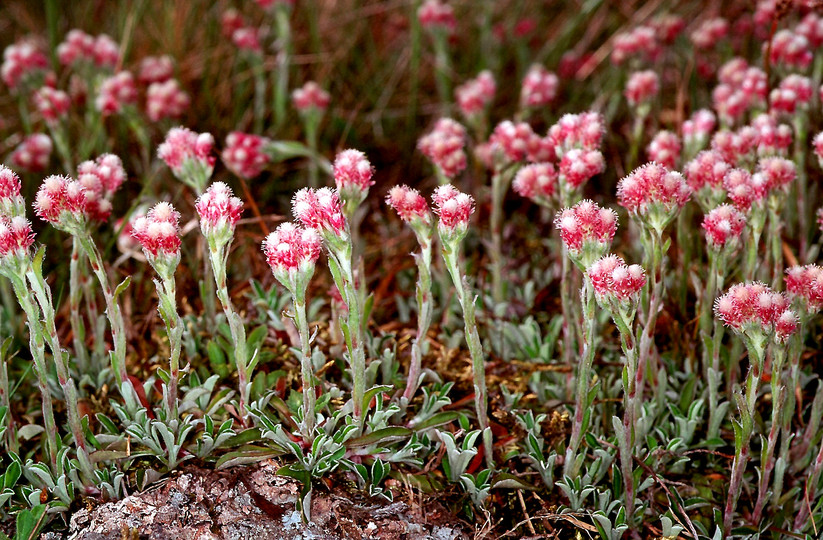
x=436, y=16
x=790, y=49
x=320, y=209
x=247, y=39
x=664, y=149
x=710, y=32
x=794, y=93
x=310, y=97
x=806, y=284
x=33, y=153
x=512, y=140
x=584, y=130
x=616, y=284
x=444, y=146
x=539, y=87
x=642, y=87
x=219, y=212
x=587, y=231
x=16, y=238
x=705, y=175
x=654, y=194
x=52, y=104
x=476, y=94
x=411, y=207
x=578, y=166
x=22, y=62
x=641, y=42
x=537, y=182
x=116, y=92
x=245, y=154
x=723, y=227
x=454, y=209
x=11, y=202
x=292, y=252
x=63, y=202
x=756, y=311
x=166, y=100
x=697, y=129
x=353, y=177
x=156, y=69
x=158, y=233
x=189, y=156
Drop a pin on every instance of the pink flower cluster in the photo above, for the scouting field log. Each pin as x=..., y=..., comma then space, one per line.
x=33, y=153
x=697, y=129
x=642, y=87
x=641, y=42
x=290, y=249
x=705, y=173
x=539, y=87
x=22, y=60
x=652, y=185
x=156, y=69
x=806, y=283
x=537, y=182
x=668, y=26
x=310, y=97
x=709, y=33
x=723, y=226
x=247, y=39
x=352, y=172
x=584, y=130
x=183, y=145
x=61, y=199
x=454, y=208
x=52, y=104
x=476, y=94
x=741, y=88
x=775, y=173
x=664, y=149
x=166, y=100
x=320, y=209
x=158, y=232
x=444, y=146
x=116, y=92
x=794, y=93
x=790, y=49
x=586, y=227
x=245, y=154
x=578, y=166
x=230, y=21
x=409, y=205
x=615, y=281
x=434, y=15
x=108, y=169
x=78, y=46
x=811, y=27
x=218, y=208
x=16, y=237
x=11, y=202
x=743, y=189
x=513, y=140
x=772, y=138
x=754, y=307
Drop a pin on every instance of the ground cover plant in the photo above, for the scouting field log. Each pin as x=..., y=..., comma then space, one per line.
x=551, y=265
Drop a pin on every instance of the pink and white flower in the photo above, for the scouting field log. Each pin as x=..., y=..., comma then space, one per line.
x=245, y=154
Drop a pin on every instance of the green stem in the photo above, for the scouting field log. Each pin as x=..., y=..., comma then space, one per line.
x=167, y=293
x=500, y=185
x=309, y=399
x=424, y=313
x=281, y=73
x=78, y=328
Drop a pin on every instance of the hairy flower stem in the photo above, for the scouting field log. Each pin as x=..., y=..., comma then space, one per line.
x=309, y=398
x=757, y=220
x=767, y=451
x=118, y=326
x=466, y=299
x=38, y=348
x=424, y=313
x=582, y=402
x=78, y=327
x=744, y=429
x=167, y=293
x=218, y=256
x=61, y=361
x=500, y=185
x=657, y=249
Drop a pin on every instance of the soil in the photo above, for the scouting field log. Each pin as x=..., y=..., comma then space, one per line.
x=255, y=503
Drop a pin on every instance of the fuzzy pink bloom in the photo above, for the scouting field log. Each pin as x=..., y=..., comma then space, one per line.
x=790, y=50
x=52, y=104
x=698, y=128
x=723, y=226
x=310, y=97
x=755, y=86
x=540, y=149
x=11, y=202
x=156, y=69
x=77, y=46
x=817, y=145
x=166, y=100
x=476, y=94
x=106, y=52
x=664, y=149
x=733, y=72
x=772, y=138
x=320, y=209
x=218, y=207
x=642, y=87
x=754, y=307
x=584, y=130
x=230, y=21
x=116, y=92
x=641, y=42
x=352, y=171
x=22, y=61
x=730, y=103
x=182, y=145
x=537, y=181
x=737, y=148
x=806, y=283
x=512, y=139
x=742, y=189
x=434, y=15
x=108, y=168
x=444, y=146
x=652, y=185
x=578, y=166
x=795, y=92
x=33, y=153
x=16, y=238
x=776, y=172
x=158, y=232
x=706, y=170
x=454, y=209
x=614, y=280
x=409, y=204
x=61, y=199
x=291, y=249
x=586, y=227
x=709, y=33
x=668, y=26
x=245, y=154
x=247, y=39
x=539, y=87
x=811, y=27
